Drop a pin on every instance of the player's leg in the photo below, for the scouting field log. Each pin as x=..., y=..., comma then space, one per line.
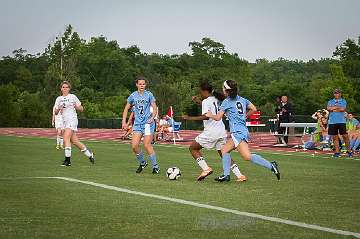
x=151, y=152
x=58, y=138
x=135, y=146
x=194, y=148
x=226, y=161
x=243, y=149
x=148, y=137
x=234, y=167
x=67, y=143
x=75, y=140
x=62, y=138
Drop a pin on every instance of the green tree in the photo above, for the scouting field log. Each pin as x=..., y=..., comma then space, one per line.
x=9, y=108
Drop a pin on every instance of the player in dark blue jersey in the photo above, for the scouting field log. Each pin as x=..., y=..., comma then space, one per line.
x=144, y=124
x=236, y=109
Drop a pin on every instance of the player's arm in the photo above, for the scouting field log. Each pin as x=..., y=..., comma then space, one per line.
x=77, y=104
x=53, y=119
x=130, y=118
x=216, y=117
x=154, y=113
x=79, y=107
x=200, y=117
x=124, y=115
x=57, y=107
x=252, y=109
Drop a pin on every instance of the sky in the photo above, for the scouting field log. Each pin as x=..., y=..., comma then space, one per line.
x=291, y=29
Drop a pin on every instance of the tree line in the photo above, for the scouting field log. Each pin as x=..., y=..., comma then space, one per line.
x=102, y=74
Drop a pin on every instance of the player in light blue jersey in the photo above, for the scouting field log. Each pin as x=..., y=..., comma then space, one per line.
x=144, y=123
x=236, y=109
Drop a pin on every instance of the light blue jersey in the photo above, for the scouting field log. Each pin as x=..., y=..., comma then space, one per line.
x=141, y=106
x=235, y=110
x=337, y=117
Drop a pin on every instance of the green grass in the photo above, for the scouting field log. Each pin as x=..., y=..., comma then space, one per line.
x=315, y=190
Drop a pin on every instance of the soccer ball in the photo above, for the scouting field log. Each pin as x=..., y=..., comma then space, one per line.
x=173, y=173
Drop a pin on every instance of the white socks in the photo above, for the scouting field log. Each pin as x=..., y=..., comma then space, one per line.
x=235, y=170
x=59, y=141
x=86, y=152
x=67, y=151
x=202, y=163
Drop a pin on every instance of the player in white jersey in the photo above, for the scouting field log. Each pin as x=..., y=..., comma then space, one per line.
x=57, y=123
x=214, y=134
x=68, y=104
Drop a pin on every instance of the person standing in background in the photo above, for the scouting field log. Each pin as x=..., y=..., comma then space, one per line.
x=337, y=122
x=286, y=114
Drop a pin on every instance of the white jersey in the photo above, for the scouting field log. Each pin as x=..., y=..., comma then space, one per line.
x=212, y=128
x=68, y=103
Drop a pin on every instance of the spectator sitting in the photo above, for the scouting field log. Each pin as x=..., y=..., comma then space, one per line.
x=163, y=127
x=321, y=137
x=353, y=128
x=322, y=126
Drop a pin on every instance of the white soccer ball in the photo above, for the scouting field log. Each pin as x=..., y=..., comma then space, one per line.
x=173, y=173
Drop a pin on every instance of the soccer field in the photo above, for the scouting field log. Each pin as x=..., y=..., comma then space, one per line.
x=316, y=190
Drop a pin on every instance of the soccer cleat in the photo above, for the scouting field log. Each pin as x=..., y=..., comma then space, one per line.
x=350, y=154
x=223, y=178
x=275, y=169
x=156, y=170
x=205, y=173
x=336, y=155
x=62, y=146
x=141, y=167
x=92, y=158
x=57, y=147
x=242, y=178
x=66, y=163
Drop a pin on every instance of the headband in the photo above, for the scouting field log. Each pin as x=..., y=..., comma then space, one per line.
x=226, y=86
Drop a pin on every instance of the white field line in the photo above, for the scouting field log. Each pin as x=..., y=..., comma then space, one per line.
x=201, y=205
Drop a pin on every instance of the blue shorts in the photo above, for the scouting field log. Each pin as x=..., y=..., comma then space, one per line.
x=144, y=129
x=237, y=137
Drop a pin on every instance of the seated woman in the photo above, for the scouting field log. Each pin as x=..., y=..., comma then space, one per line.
x=167, y=125
x=353, y=128
x=163, y=127
x=320, y=137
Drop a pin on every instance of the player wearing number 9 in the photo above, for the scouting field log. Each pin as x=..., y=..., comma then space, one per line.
x=235, y=108
x=144, y=124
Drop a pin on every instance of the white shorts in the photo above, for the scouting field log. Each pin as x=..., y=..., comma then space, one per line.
x=210, y=143
x=71, y=124
x=59, y=124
